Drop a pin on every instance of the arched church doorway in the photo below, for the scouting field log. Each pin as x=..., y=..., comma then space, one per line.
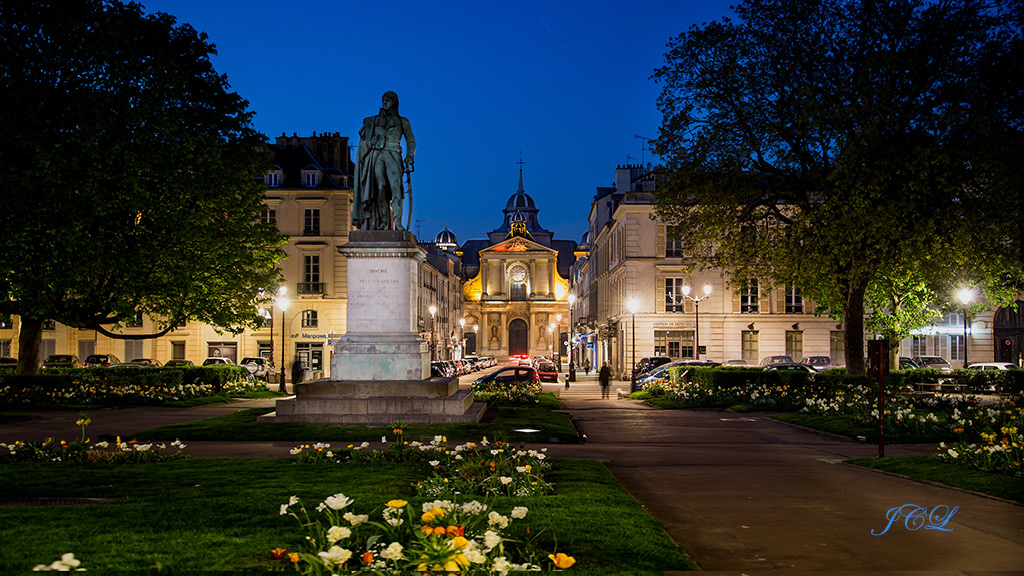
x=1008, y=330
x=518, y=337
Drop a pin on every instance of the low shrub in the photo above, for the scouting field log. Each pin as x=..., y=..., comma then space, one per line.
x=506, y=393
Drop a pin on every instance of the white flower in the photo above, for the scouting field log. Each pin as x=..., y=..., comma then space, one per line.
x=355, y=519
x=473, y=507
x=336, y=555
x=284, y=509
x=953, y=453
x=394, y=521
x=505, y=480
x=330, y=454
x=392, y=552
x=521, y=469
x=433, y=463
x=475, y=556
x=495, y=452
x=295, y=451
x=495, y=519
x=293, y=500
x=491, y=539
x=338, y=533
x=519, y=512
x=321, y=507
x=502, y=565
x=437, y=439
x=338, y=501
x=101, y=444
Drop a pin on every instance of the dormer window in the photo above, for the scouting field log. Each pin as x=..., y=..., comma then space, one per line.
x=310, y=179
x=273, y=179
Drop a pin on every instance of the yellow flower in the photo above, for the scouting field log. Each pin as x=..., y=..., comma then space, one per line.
x=561, y=560
x=459, y=542
x=397, y=503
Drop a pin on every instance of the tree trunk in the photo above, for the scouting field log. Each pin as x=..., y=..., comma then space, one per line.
x=28, y=345
x=853, y=329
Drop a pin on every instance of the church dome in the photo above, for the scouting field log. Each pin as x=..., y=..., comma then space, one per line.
x=517, y=216
x=520, y=200
x=446, y=239
x=585, y=239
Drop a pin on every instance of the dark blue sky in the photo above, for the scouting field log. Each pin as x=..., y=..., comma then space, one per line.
x=565, y=82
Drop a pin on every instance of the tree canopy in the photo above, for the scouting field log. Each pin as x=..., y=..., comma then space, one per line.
x=129, y=170
x=847, y=146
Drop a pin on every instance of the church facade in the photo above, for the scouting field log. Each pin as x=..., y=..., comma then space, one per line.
x=516, y=286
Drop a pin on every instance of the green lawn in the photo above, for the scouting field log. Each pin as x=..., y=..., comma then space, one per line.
x=932, y=470
x=222, y=513
x=500, y=423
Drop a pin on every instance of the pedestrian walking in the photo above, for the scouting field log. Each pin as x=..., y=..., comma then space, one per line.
x=586, y=366
x=297, y=372
x=605, y=377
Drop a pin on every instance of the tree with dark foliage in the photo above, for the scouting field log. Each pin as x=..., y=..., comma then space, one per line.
x=837, y=144
x=128, y=169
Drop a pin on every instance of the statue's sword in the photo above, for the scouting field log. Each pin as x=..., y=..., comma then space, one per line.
x=408, y=179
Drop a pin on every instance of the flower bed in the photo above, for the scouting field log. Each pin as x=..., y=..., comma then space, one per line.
x=506, y=393
x=446, y=538
x=122, y=386
x=481, y=468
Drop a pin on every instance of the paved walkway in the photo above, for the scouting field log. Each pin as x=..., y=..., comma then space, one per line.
x=738, y=492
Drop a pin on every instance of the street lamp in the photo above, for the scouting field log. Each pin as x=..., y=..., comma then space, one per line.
x=572, y=330
x=462, y=341
x=476, y=341
x=551, y=344
x=633, y=306
x=696, y=316
x=282, y=303
x=433, y=343
x=965, y=295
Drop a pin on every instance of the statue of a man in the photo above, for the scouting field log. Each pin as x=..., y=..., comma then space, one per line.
x=379, y=192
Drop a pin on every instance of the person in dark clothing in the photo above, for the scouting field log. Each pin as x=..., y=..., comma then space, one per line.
x=296, y=372
x=605, y=377
x=586, y=366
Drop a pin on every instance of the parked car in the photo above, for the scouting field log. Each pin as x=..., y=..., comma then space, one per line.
x=257, y=366
x=510, y=375
x=7, y=362
x=791, y=367
x=994, y=366
x=933, y=362
x=94, y=360
x=818, y=362
x=707, y=363
x=649, y=363
x=179, y=362
x=441, y=369
x=145, y=362
x=547, y=371
x=736, y=362
x=62, y=361
x=769, y=360
x=218, y=361
x=659, y=373
x=907, y=364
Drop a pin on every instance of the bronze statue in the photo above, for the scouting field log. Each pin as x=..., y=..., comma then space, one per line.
x=379, y=190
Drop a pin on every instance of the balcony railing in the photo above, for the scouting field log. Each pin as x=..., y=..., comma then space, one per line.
x=310, y=287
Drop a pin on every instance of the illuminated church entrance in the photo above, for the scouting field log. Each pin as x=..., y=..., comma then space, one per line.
x=518, y=337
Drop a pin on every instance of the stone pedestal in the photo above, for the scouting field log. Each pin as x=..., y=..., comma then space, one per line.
x=381, y=367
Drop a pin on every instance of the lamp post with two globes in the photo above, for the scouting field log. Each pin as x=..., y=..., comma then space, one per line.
x=696, y=316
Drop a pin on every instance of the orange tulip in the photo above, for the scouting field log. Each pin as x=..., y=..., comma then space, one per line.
x=277, y=553
x=454, y=531
x=367, y=557
x=561, y=560
x=294, y=557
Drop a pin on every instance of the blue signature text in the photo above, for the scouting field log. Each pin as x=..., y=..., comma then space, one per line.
x=917, y=517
